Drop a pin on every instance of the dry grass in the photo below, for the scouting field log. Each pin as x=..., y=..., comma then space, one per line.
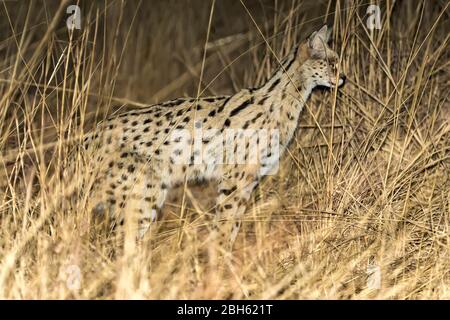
x=366, y=183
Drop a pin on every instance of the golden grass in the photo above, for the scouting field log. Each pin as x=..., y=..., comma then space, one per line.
x=365, y=185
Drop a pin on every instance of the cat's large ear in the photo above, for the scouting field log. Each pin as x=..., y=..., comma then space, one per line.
x=328, y=36
x=318, y=39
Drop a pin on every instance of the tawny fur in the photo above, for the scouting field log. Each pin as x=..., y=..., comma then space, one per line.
x=141, y=154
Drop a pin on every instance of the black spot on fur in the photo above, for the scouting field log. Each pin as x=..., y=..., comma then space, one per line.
x=274, y=84
x=244, y=105
x=257, y=116
x=261, y=102
x=227, y=192
x=223, y=105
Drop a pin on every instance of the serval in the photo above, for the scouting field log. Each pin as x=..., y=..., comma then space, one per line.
x=143, y=153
